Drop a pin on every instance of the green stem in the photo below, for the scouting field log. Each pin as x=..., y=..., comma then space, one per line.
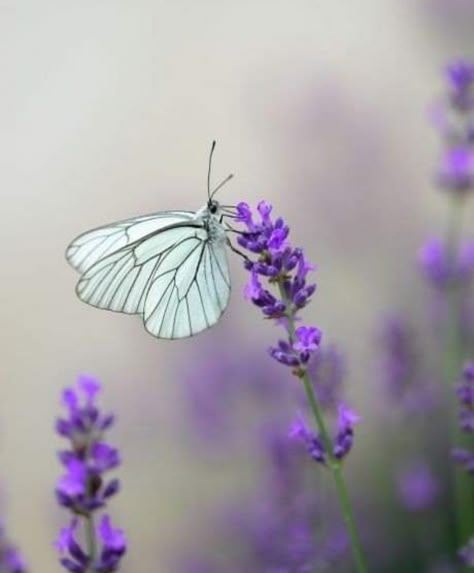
x=90, y=540
x=454, y=355
x=336, y=468
x=334, y=464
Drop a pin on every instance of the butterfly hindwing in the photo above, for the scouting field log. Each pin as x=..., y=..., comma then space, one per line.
x=185, y=300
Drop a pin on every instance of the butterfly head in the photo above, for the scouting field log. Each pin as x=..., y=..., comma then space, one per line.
x=213, y=207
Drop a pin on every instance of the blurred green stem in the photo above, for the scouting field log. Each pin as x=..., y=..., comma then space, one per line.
x=90, y=540
x=453, y=359
x=333, y=463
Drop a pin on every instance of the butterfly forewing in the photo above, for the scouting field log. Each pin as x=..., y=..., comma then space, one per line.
x=96, y=244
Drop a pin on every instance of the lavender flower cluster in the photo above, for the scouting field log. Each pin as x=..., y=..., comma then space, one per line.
x=454, y=117
x=343, y=438
x=439, y=270
x=83, y=489
x=286, y=270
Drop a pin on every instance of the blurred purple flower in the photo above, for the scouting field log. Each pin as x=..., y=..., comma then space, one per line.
x=82, y=488
x=73, y=558
x=216, y=394
x=398, y=357
x=432, y=260
x=417, y=487
x=11, y=560
x=406, y=388
x=282, y=526
x=456, y=171
x=455, y=120
x=434, y=263
x=114, y=546
x=283, y=470
x=460, y=77
x=465, y=392
x=464, y=458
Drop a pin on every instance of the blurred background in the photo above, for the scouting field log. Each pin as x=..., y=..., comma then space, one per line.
x=108, y=109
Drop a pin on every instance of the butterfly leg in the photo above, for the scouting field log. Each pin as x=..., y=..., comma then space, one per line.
x=232, y=248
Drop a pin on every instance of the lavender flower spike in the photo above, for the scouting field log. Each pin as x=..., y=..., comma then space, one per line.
x=456, y=166
x=343, y=435
x=287, y=269
x=83, y=489
x=286, y=291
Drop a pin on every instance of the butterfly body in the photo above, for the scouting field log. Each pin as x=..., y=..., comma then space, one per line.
x=170, y=267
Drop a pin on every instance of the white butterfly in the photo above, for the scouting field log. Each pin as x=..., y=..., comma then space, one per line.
x=170, y=267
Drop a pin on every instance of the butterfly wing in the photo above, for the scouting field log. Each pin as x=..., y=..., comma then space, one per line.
x=164, y=267
x=96, y=244
x=189, y=293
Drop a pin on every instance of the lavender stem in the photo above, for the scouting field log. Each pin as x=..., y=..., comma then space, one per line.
x=334, y=464
x=336, y=469
x=91, y=540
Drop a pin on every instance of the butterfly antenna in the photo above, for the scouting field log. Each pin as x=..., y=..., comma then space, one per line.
x=221, y=184
x=213, y=146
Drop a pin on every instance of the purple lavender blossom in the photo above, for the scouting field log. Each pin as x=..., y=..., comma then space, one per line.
x=83, y=488
x=11, y=560
x=417, y=487
x=286, y=270
x=284, y=267
x=342, y=440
